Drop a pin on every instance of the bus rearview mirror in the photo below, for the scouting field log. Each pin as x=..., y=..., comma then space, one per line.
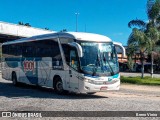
x=78, y=47
x=121, y=46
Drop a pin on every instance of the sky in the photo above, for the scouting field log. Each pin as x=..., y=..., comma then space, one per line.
x=106, y=17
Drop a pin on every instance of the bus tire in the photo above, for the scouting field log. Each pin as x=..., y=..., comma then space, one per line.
x=14, y=79
x=58, y=86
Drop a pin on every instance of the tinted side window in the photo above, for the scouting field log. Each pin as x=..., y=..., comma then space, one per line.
x=41, y=48
x=5, y=50
x=47, y=48
x=13, y=50
x=19, y=49
x=28, y=49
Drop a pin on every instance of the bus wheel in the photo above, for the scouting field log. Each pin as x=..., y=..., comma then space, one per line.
x=14, y=79
x=58, y=86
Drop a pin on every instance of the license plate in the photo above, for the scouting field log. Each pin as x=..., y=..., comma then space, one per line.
x=103, y=88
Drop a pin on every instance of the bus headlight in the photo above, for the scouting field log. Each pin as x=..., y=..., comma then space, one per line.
x=89, y=81
x=94, y=82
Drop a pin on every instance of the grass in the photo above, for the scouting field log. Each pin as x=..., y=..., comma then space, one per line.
x=139, y=81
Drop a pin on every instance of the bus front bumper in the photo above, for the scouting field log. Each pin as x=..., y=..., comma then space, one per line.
x=89, y=87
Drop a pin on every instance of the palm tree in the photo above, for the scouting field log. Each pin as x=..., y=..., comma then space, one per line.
x=130, y=63
x=153, y=12
x=131, y=51
x=139, y=39
x=150, y=3
x=146, y=32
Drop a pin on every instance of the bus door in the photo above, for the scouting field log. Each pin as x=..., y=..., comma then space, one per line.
x=73, y=74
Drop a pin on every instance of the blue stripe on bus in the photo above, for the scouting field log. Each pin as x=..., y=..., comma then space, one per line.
x=116, y=76
x=33, y=80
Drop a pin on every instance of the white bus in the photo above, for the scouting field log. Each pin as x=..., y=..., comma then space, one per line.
x=71, y=61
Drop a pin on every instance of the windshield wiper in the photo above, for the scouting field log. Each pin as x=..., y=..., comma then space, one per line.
x=105, y=60
x=99, y=63
x=112, y=72
x=96, y=64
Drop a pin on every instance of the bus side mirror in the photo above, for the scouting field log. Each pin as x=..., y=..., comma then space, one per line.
x=78, y=47
x=123, y=49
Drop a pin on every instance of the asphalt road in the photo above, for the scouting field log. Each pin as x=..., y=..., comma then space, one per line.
x=128, y=98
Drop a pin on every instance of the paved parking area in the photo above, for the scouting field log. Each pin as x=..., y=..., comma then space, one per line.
x=128, y=98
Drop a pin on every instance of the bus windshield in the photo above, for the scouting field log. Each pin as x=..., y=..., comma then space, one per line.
x=99, y=59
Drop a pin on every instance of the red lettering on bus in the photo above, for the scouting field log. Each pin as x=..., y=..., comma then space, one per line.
x=28, y=65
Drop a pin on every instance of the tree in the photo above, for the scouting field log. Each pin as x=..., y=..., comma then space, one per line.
x=20, y=23
x=46, y=28
x=25, y=24
x=153, y=12
x=130, y=63
x=138, y=39
x=131, y=51
x=64, y=30
x=151, y=28
x=146, y=32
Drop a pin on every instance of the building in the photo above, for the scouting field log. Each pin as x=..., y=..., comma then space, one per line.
x=137, y=61
x=10, y=31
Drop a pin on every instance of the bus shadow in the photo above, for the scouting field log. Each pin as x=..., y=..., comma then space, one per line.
x=28, y=91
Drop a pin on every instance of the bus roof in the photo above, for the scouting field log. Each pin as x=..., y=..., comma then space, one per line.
x=74, y=35
x=90, y=37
